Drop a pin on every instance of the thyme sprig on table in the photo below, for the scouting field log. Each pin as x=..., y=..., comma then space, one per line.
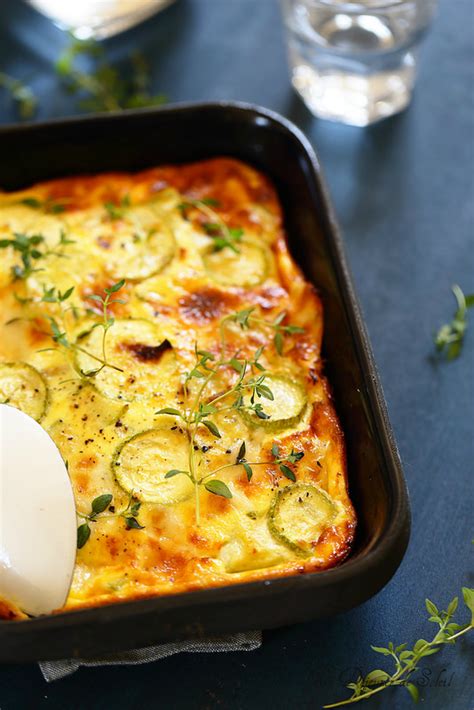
x=24, y=98
x=449, y=339
x=222, y=235
x=98, y=507
x=406, y=660
x=200, y=410
x=104, y=88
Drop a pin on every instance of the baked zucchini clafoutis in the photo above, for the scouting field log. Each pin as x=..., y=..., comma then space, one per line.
x=157, y=327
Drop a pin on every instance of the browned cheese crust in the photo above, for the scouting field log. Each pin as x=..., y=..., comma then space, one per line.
x=185, y=301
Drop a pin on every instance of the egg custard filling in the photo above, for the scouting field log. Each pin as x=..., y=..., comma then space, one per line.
x=157, y=327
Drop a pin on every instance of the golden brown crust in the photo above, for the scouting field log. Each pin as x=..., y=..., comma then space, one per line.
x=10, y=612
x=172, y=554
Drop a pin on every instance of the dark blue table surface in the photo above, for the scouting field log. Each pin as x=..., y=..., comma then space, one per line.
x=404, y=193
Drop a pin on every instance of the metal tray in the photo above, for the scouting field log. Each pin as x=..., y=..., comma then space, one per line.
x=139, y=139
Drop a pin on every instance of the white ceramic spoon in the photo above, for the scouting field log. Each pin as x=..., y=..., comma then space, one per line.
x=37, y=516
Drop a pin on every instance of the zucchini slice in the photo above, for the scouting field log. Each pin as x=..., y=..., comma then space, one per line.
x=299, y=515
x=248, y=268
x=146, y=360
x=22, y=386
x=285, y=409
x=141, y=462
x=144, y=247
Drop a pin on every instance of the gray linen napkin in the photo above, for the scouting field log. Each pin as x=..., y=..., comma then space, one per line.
x=249, y=641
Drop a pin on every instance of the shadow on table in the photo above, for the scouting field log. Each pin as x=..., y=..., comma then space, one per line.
x=367, y=164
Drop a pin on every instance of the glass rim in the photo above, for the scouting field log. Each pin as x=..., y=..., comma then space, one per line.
x=359, y=5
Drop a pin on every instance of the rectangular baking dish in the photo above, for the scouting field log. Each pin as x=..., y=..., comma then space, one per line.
x=184, y=133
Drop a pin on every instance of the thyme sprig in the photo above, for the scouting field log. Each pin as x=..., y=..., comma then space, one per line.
x=49, y=205
x=58, y=330
x=246, y=319
x=27, y=246
x=24, y=98
x=406, y=660
x=449, y=339
x=104, y=88
x=200, y=411
x=222, y=235
x=107, y=320
x=98, y=507
x=31, y=250
x=276, y=460
x=115, y=211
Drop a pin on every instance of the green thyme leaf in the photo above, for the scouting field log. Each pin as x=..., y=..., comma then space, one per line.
x=212, y=228
x=58, y=335
x=114, y=211
x=219, y=488
x=64, y=296
x=31, y=202
x=241, y=454
x=100, y=503
x=206, y=409
x=135, y=508
x=197, y=374
x=115, y=287
x=293, y=329
x=257, y=408
x=83, y=534
x=376, y=677
x=173, y=472
x=237, y=365
x=414, y=692
x=449, y=339
x=212, y=428
x=242, y=317
x=431, y=608
x=204, y=356
x=294, y=456
x=169, y=410
x=264, y=391
x=238, y=403
x=133, y=524
x=468, y=596
x=248, y=470
x=287, y=472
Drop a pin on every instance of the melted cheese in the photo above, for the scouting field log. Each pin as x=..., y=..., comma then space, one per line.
x=180, y=299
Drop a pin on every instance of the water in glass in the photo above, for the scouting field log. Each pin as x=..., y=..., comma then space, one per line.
x=355, y=62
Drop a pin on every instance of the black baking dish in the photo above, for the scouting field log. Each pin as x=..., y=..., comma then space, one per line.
x=185, y=133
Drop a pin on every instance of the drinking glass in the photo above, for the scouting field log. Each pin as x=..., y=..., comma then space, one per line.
x=355, y=61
